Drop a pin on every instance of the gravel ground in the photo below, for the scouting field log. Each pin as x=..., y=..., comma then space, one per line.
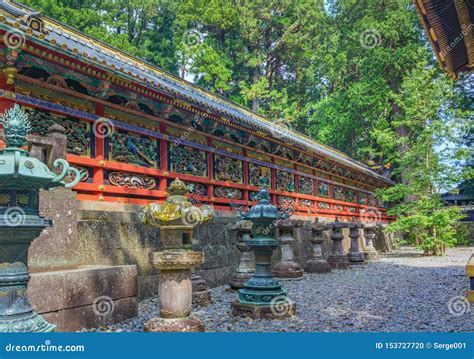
x=403, y=291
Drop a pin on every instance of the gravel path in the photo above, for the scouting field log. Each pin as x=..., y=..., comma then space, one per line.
x=403, y=291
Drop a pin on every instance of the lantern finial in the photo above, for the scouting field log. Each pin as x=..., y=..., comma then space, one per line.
x=15, y=126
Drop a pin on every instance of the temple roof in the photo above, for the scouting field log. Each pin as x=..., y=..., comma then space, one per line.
x=450, y=29
x=75, y=45
x=464, y=192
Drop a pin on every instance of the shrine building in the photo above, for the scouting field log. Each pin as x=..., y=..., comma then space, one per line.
x=133, y=127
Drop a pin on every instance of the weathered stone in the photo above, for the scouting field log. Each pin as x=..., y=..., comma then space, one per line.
x=355, y=255
x=188, y=324
x=337, y=258
x=370, y=251
x=246, y=266
x=317, y=264
x=286, y=310
x=64, y=295
x=57, y=246
x=201, y=293
x=287, y=268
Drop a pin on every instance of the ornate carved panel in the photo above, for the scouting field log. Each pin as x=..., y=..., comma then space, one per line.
x=77, y=132
x=198, y=189
x=256, y=172
x=228, y=169
x=350, y=195
x=225, y=192
x=324, y=205
x=187, y=160
x=363, y=198
x=339, y=193
x=131, y=180
x=285, y=181
x=305, y=203
x=133, y=148
x=323, y=189
x=285, y=200
x=306, y=185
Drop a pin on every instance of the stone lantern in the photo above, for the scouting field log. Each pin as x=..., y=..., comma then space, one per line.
x=21, y=178
x=263, y=296
x=337, y=258
x=355, y=255
x=287, y=268
x=317, y=264
x=246, y=267
x=176, y=219
x=369, y=234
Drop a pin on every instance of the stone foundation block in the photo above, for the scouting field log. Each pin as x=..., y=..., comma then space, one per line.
x=86, y=297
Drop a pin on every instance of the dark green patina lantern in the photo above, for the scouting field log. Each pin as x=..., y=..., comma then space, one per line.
x=21, y=178
x=262, y=295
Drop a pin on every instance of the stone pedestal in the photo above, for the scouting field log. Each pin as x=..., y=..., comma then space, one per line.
x=176, y=219
x=175, y=292
x=369, y=234
x=317, y=264
x=337, y=258
x=201, y=293
x=287, y=268
x=246, y=267
x=355, y=255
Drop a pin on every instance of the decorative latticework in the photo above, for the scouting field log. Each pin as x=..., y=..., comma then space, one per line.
x=306, y=185
x=228, y=169
x=187, y=160
x=133, y=148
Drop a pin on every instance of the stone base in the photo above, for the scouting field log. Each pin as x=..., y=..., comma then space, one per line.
x=263, y=311
x=202, y=298
x=186, y=324
x=86, y=297
x=339, y=261
x=201, y=293
x=238, y=280
x=317, y=266
x=371, y=256
x=356, y=257
x=288, y=270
